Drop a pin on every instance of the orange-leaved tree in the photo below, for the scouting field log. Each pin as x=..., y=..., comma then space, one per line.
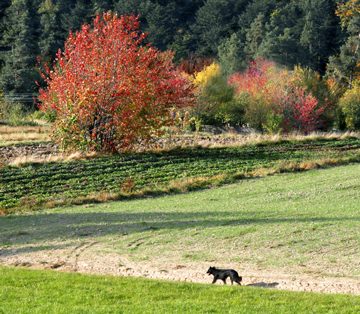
x=107, y=91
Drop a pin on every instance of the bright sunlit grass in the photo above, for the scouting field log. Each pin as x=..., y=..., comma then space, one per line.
x=32, y=291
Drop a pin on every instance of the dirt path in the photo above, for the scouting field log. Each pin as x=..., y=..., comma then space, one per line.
x=86, y=257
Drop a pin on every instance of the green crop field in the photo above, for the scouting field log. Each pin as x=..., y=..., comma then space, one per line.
x=39, y=184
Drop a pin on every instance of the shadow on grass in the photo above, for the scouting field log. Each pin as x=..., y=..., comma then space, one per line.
x=34, y=230
x=264, y=284
x=10, y=251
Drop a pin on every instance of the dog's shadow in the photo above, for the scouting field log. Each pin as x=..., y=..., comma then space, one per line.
x=263, y=284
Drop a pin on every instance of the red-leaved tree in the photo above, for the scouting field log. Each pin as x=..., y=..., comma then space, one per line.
x=273, y=91
x=254, y=79
x=300, y=111
x=107, y=91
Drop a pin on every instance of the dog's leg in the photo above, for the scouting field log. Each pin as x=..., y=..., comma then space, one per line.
x=215, y=278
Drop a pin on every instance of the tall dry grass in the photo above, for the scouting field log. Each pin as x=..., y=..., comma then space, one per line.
x=254, y=139
x=23, y=133
x=263, y=139
x=21, y=160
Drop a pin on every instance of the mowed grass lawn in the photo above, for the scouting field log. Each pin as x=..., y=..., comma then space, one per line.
x=309, y=219
x=34, y=291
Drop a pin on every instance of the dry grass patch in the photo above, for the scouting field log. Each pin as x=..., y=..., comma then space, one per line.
x=24, y=133
x=257, y=139
x=22, y=160
x=76, y=156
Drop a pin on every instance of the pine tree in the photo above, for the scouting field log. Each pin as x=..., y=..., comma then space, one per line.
x=255, y=35
x=231, y=56
x=320, y=33
x=100, y=6
x=254, y=8
x=75, y=15
x=4, y=4
x=281, y=42
x=162, y=24
x=20, y=72
x=129, y=6
x=159, y=21
x=215, y=21
x=52, y=37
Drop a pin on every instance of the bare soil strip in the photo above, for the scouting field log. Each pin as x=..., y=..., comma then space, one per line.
x=87, y=258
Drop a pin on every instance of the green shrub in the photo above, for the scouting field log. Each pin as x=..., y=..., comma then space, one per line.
x=40, y=115
x=350, y=107
x=16, y=114
x=273, y=124
x=216, y=104
x=257, y=110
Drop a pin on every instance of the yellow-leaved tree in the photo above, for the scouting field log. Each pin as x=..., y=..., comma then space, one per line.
x=216, y=104
x=350, y=106
x=347, y=10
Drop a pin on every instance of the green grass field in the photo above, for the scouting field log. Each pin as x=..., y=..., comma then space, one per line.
x=33, y=291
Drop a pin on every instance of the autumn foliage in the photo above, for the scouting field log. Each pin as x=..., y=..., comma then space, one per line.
x=215, y=103
x=195, y=64
x=275, y=92
x=107, y=91
x=255, y=78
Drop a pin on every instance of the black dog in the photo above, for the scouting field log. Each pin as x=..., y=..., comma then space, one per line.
x=222, y=274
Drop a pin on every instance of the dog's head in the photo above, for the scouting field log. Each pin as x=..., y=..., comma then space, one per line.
x=210, y=270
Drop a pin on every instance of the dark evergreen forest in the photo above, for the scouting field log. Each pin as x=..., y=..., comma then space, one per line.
x=290, y=32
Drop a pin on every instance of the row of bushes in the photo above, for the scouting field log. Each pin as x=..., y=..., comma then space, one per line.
x=265, y=96
x=274, y=99
x=98, y=106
